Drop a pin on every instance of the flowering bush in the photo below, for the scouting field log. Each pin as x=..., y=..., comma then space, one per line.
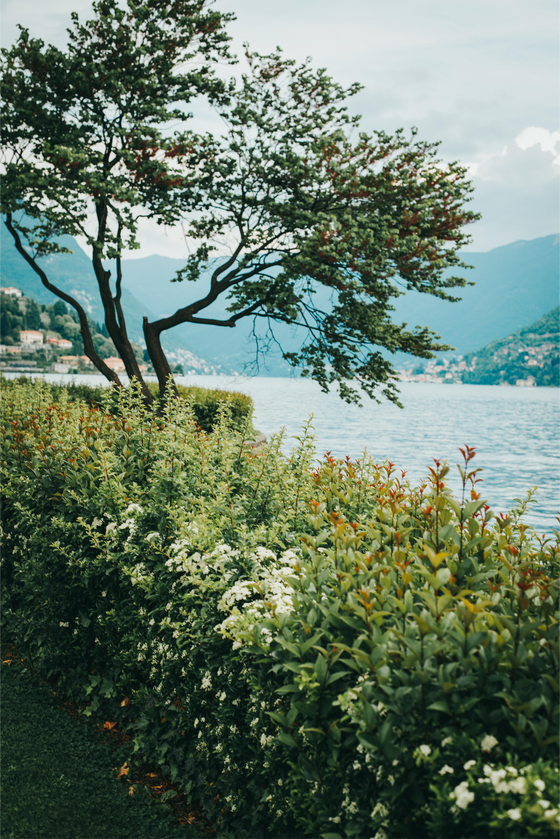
x=326, y=649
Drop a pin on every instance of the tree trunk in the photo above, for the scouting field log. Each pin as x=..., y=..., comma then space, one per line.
x=158, y=358
x=89, y=347
x=114, y=318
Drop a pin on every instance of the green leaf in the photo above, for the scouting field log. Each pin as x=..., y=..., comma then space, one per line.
x=286, y=738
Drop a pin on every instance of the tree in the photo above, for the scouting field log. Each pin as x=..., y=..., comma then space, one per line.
x=87, y=148
x=321, y=231
x=298, y=221
x=32, y=314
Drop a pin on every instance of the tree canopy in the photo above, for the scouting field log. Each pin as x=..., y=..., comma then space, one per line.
x=295, y=216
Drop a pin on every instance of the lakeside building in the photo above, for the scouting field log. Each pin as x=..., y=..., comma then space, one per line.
x=63, y=343
x=115, y=364
x=75, y=360
x=31, y=336
x=13, y=292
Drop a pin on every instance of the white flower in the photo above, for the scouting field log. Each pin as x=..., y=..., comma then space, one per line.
x=391, y=780
x=488, y=743
x=539, y=785
x=425, y=750
x=381, y=809
x=514, y=814
x=448, y=770
x=518, y=785
x=356, y=765
x=462, y=795
x=496, y=776
x=63, y=624
x=446, y=741
x=97, y=523
x=544, y=804
x=103, y=594
x=549, y=814
x=469, y=764
x=206, y=683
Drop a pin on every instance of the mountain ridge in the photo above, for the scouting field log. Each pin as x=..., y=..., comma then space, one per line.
x=516, y=284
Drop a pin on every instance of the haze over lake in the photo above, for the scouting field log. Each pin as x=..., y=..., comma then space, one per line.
x=514, y=430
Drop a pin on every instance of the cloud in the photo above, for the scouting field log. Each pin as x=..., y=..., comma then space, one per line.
x=533, y=136
x=516, y=190
x=480, y=77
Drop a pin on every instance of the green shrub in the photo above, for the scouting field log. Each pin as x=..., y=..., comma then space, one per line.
x=206, y=406
x=205, y=402
x=401, y=656
x=319, y=649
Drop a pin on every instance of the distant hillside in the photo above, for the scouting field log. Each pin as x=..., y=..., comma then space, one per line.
x=73, y=273
x=515, y=285
x=532, y=352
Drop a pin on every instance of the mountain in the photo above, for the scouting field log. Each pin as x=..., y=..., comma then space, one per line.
x=530, y=352
x=73, y=273
x=515, y=285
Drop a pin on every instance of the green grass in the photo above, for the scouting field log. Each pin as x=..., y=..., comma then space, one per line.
x=59, y=781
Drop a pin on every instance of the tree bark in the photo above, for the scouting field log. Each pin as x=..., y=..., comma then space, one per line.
x=114, y=317
x=159, y=360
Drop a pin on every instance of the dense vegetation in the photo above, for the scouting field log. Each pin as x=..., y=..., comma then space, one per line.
x=532, y=351
x=204, y=403
x=15, y=317
x=319, y=648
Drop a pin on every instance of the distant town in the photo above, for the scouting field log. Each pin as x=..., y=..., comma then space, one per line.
x=50, y=339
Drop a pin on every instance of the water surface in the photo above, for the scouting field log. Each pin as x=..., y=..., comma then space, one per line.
x=515, y=430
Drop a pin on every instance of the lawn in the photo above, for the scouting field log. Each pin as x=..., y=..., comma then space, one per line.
x=59, y=780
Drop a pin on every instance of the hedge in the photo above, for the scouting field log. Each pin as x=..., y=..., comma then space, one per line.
x=205, y=402
x=318, y=649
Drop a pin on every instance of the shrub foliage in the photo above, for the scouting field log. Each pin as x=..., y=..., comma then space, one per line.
x=321, y=648
x=204, y=402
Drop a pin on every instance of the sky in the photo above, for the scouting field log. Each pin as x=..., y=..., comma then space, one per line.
x=481, y=77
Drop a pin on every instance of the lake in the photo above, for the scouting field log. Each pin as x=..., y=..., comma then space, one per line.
x=514, y=430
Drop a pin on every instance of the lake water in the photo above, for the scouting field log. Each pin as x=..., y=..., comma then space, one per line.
x=514, y=430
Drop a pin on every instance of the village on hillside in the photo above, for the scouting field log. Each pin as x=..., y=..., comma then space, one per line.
x=36, y=337
x=529, y=358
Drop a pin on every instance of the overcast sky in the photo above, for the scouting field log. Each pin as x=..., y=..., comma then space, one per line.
x=481, y=76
